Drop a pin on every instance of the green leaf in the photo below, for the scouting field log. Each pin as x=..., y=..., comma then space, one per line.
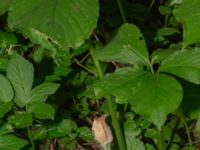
x=128, y=46
x=160, y=54
x=4, y=108
x=42, y=91
x=7, y=38
x=165, y=10
x=4, y=6
x=66, y=22
x=41, y=38
x=61, y=129
x=21, y=119
x=5, y=128
x=3, y=64
x=153, y=96
x=85, y=133
x=6, y=91
x=185, y=64
x=167, y=31
x=131, y=129
x=188, y=14
x=191, y=99
x=21, y=73
x=41, y=110
x=11, y=142
x=134, y=143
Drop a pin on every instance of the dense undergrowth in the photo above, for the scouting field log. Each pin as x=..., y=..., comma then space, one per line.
x=65, y=64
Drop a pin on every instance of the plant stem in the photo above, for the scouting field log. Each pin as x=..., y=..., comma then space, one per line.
x=187, y=132
x=30, y=138
x=149, y=8
x=160, y=140
x=172, y=135
x=119, y=3
x=112, y=110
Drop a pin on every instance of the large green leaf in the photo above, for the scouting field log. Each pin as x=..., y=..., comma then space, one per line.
x=65, y=21
x=188, y=14
x=6, y=91
x=4, y=6
x=42, y=91
x=153, y=96
x=128, y=46
x=41, y=110
x=185, y=64
x=11, y=142
x=21, y=73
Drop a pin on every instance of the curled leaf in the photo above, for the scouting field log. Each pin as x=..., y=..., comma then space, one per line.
x=101, y=130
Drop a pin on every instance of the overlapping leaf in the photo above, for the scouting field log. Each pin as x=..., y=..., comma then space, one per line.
x=8, y=142
x=42, y=91
x=65, y=21
x=128, y=46
x=153, y=96
x=4, y=6
x=6, y=91
x=185, y=64
x=21, y=73
x=41, y=110
x=188, y=14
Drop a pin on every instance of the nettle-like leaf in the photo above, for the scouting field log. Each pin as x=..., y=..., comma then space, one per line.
x=42, y=91
x=41, y=110
x=185, y=64
x=153, y=96
x=21, y=73
x=4, y=6
x=188, y=14
x=8, y=142
x=65, y=21
x=6, y=91
x=128, y=46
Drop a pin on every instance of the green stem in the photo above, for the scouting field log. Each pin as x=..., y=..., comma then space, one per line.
x=113, y=112
x=82, y=66
x=172, y=135
x=31, y=139
x=119, y=3
x=149, y=8
x=187, y=132
x=160, y=140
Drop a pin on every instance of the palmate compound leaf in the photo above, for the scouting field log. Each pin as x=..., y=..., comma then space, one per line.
x=185, y=64
x=188, y=14
x=153, y=96
x=20, y=72
x=128, y=46
x=65, y=21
